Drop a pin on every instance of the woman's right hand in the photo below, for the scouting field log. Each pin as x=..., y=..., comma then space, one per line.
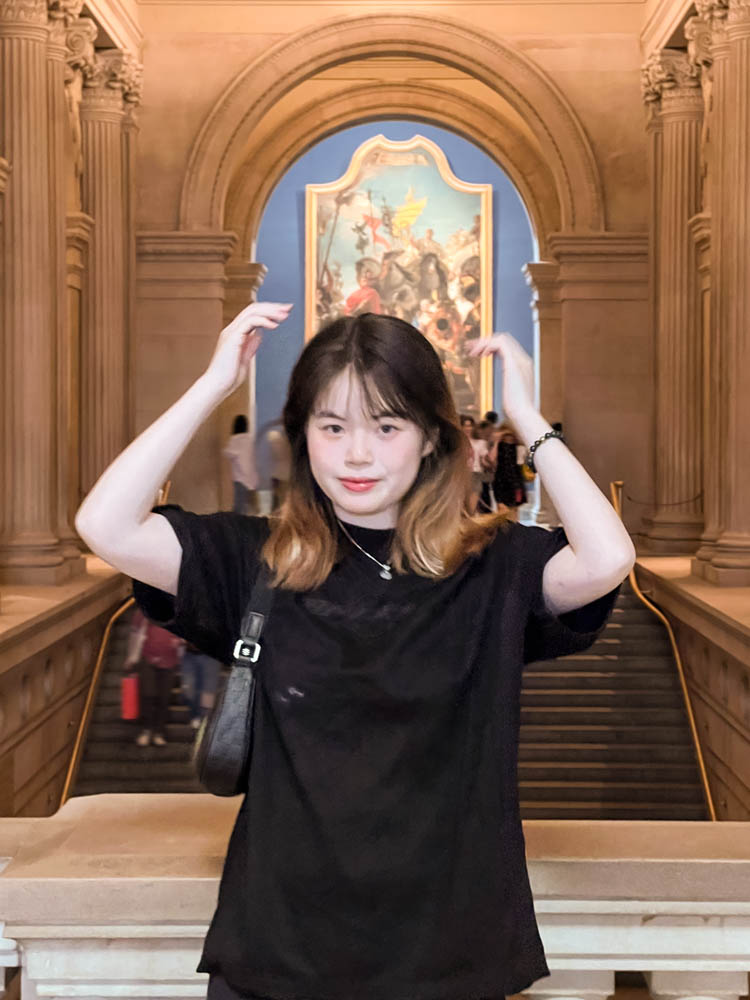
x=239, y=341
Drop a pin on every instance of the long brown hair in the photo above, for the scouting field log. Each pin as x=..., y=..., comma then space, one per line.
x=400, y=373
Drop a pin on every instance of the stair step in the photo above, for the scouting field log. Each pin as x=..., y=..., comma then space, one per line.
x=614, y=810
x=111, y=713
x=607, y=770
x=602, y=734
x=108, y=732
x=607, y=661
x=601, y=680
x=589, y=753
x=599, y=791
x=604, y=716
x=138, y=785
x=158, y=770
x=564, y=698
x=119, y=751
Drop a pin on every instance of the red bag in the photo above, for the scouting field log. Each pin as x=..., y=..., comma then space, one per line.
x=129, y=700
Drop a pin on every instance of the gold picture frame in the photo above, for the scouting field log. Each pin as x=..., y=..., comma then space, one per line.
x=399, y=233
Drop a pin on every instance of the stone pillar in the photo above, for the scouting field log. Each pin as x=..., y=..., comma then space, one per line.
x=77, y=240
x=607, y=363
x=104, y=353
x=132, y=96
x=715, y=62
x=62, y=14
x=180, y=301
x=544, y=280
x=244, y=278
x=730, y=561
x=673, y=82
x=29, y=548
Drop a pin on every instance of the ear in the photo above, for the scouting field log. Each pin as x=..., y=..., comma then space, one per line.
x=429, y=443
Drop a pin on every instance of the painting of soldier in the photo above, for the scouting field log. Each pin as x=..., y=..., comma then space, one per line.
x=400, y=234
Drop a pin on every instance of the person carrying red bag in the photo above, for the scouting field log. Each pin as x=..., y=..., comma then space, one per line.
x=156, y=653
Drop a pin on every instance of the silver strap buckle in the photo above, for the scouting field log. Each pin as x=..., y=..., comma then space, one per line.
x=246, y=650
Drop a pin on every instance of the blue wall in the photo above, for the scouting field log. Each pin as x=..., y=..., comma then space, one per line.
x=281, y=246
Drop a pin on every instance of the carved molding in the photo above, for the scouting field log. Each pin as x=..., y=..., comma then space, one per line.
x=698, y=35
x=668, y=69
x=739, y=13
x=267, y=156
x=23, y=11
x=80, y=38
x=66, y=11
x=220, y=146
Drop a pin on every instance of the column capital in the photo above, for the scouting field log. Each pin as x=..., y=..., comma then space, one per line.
x=62, y=14
x=79, y=38
x=738, y=19
x=113, y=79
x=668, y=70
x=32, y=12
x=698, y=35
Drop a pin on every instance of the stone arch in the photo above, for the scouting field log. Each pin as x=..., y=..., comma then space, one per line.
x=263, y=167
x=223, y=140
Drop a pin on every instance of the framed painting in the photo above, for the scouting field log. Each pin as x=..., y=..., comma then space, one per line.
x=400, y=234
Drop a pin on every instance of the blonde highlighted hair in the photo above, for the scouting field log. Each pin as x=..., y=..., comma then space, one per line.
x=401, y=374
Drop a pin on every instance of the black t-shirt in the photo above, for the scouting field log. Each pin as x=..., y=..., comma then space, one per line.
x=379, y=851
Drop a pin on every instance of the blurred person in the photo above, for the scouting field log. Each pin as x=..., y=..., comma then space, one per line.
x=240, y=450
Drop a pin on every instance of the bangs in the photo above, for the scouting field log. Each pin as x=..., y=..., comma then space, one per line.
x=380, y=394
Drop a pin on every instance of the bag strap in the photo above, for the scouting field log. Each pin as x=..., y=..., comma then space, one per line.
x=247, y=648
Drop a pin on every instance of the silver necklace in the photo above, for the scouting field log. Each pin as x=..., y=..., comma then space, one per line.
x=385, y=568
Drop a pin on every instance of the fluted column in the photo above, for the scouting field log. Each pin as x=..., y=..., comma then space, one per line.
x=29, y=548
x=676, y=525
x=132, y=96
x=104, y=355
x=62, y=14
x=543, y=278
x=730, y=561
x=709, y=45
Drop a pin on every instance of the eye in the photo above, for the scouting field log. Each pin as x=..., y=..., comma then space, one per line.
x=333, y=428
x=388, y=430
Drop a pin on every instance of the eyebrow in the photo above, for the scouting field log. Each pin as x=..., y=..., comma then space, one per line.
x=378, y=416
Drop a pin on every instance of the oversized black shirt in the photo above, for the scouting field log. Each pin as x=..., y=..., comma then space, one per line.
x=379, y=851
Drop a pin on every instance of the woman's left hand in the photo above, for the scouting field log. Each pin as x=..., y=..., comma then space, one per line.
x=518, y=371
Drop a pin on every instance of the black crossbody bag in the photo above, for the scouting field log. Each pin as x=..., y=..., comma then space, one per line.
x=225, y=739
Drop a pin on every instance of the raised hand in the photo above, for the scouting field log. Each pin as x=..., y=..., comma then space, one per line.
x=239, y=341
x=518, y=372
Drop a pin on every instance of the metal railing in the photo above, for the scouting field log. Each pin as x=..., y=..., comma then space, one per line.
x=616, y=494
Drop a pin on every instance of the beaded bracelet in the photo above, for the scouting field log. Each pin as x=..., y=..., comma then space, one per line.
x=539, y=441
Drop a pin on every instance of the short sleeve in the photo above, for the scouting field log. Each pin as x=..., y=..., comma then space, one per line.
x=220, y=558
x=547, y=635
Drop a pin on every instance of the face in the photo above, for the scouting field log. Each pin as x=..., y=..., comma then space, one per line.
x=468, y=428
x=364, y=465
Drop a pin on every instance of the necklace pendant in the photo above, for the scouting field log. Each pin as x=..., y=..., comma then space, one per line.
x=385, y=573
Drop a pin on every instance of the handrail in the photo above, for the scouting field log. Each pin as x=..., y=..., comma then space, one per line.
x=616, y=494
x=83, y=725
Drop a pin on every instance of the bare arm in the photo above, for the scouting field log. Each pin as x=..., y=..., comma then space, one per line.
x=600, y=552
x=115, y=519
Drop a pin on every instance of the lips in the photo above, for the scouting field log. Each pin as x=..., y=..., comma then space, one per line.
x=358, y=485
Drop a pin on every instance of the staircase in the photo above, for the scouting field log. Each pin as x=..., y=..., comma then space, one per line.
x=604, y=734
x=111, y=761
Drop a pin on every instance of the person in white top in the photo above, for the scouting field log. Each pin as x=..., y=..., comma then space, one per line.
x=479, y=451
x=240, y=450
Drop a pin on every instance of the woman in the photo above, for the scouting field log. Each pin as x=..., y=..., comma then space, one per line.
x=508, y=483
x=378, y=852
x=240, y=450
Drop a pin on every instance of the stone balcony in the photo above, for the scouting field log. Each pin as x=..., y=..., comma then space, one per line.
x=111, y=897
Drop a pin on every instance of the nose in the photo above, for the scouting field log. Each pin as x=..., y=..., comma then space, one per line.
x=358, y=452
